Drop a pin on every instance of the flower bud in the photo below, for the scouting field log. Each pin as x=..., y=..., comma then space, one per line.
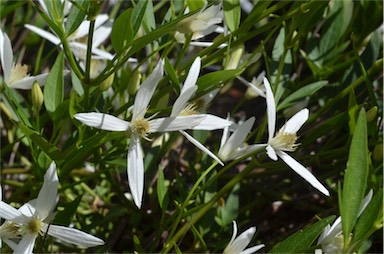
x=134, y=83
x=371, y=114
x=235, y=57
x=106, y=84
x=378, y=152
x=37, y=96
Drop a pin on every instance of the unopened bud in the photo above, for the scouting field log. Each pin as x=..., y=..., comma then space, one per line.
x=134, y=83
x=37, y=96
x=371, y=114
x=235, y=57
x=378, y=152
x=106, y=84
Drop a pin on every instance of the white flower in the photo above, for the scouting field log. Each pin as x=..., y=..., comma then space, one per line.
x=232, y=147
x=332, y=239
x=77, y=40
x=141, y=127
x=285, y=139
x=8, y=230
x=34, y=217
x=16, y=75
x=238, y=245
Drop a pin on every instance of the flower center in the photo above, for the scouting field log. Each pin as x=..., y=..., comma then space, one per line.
x=9, y=229
x=284, y=141
x=35, y=225
x=18, y=72
x=189, y=110
x=141, y=127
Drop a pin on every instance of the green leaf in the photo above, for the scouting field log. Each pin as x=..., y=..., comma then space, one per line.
x=171, y=72
x=230, y=210
x=352, y=111
x=54, y=86
x=366, y=223
x=122, y=31
x=195, y=4
x=75, y=17
x=138, y=15
x=149, y=17
x=65, y=216
x=232, y=14
x=307, y=90
x=355, y=178
x=302, y=239
x=162, y=190
x=52, y=151
x=213, y=79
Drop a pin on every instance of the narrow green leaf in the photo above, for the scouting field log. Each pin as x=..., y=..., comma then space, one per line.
x=232, y=14
x=210, y=80
x=352, y=111
x=162, y=191
x=307, y=90
x=52, y=151
x=171, y=72
x=149, y=17
x=75, y=17
x=65, y=216
x=302, y=239
x=355, y=178
x=138, y=15
x=122, y=31
x=54, y=86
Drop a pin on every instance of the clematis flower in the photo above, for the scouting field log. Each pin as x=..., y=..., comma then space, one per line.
x=16, y=75
x=35, y=215
x=77, y=40
x=332, y=239
x=285, y=139
x=8, y=230
x=141, y=127
x=239, y=244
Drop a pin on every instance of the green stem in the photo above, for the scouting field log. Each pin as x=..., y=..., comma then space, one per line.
x=89, y=52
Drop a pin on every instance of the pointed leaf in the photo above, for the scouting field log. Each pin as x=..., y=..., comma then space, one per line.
x=122, y=31
x=232, y=13
x=54, y=86
x=75, y=17
x=162, y=190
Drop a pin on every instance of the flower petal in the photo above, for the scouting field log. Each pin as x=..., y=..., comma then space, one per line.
x=296, y=121
x=193, y=74
x=182, y=100
x=175, y=123
x=25, y=246
x=271, y=109
x=253, y=249
x=83, y=29
x=135, y=170
x=46, y=200
x=80, y=51
x=234, y=234
x=202, y=147
x=101, y=34
x=242, y=241
x=46, y=35
x=74, y=236
x=252, y=86
x=146, y=91
x=271, y=153
x=27, y=82
x=10, y=213
x=302, y=171
x=6, y=55
x=365, y=202
x=102, y=121
x=211, y=122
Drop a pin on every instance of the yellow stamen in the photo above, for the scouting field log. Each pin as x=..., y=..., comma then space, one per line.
x=35, y=225
x=9, y=229
x=284, y=141
x=141, y=127
x=189, y=110
x=18, y=72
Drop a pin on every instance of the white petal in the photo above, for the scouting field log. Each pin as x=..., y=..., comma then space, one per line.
x=206, y=44
x=182, y=100
x=365, y=202
x=25, y=246
x=202, y=147
x=175, y=123
x=146, y=91
x=101, y=34
x=242, y=241
x=252, y=86
x=11, y=244
x=135, y=170
x=6, y=55
x=10, y=213
x=80, y=50
x=46, y=200
x=271, y=153
x=74, y=236
x=236, y=140
x=102, y=121
x=83, y=29
x=271, y=109
x=211, y=122
x=27, y=82
x=234, y=234
x=193, y=74
x=28, y=209
x=302, y=171
x=253, y=249
x=331, y=232
x=46, y=35
x=225, y=135
x=296, y=121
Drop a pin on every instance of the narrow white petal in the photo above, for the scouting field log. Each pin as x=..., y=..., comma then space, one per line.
x=74, y=236
x=102, y=121
x=252, y=86
x=100, y=35
x=225, y=135
x=206, y=44
x=25, y=246
x=302, y=171
x=296, y=121
x=10, y=213
x=27, y=82
x=28, y=209
x=146, y=91
x=46, y=200
x=252, y=148
x=236, y=140
x=80, y=50
x=83, y=29
x=271, y=153
x=242, y=241
x=46, y=35
x=202, y=147
x=175, y=123
x=6, y=55
x=211, y=122
x=271, y=109
x=103, y=54
x=11, y=244
x=182, y=100
x=193, y=74
x=234, y=234
x=253, y=249
x=331, y=232
x=365, y=202
x=135, y=170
